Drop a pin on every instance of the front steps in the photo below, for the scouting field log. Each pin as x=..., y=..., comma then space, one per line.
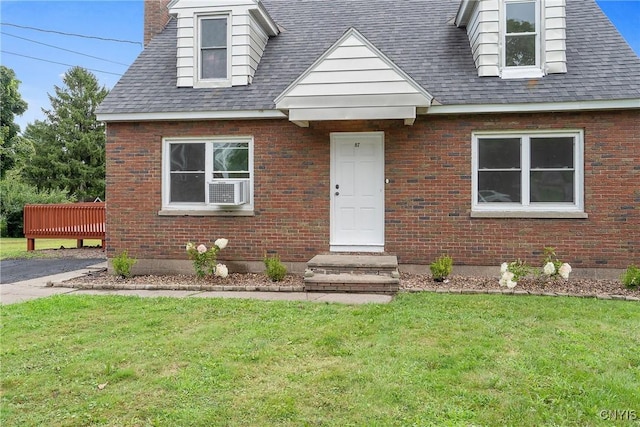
x=352, y=273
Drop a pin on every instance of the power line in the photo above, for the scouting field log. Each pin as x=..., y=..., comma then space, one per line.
x=71, y=34
x=59, y=63
x=61, y=48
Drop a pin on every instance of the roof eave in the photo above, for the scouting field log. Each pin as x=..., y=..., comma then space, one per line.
x=190, y=115
x=464, y=12
x=535, y=107
x=265, y=19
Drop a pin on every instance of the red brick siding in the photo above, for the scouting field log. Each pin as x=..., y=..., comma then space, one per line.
x=156, y=16
x=428, y=200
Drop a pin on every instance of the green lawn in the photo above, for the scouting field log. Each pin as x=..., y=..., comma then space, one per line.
x=17, y=247
x=424, y=359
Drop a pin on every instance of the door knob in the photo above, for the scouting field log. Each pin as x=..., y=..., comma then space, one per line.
x=337, y=194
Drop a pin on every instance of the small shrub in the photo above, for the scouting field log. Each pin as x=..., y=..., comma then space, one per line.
x=122, y=264
x=631, y=277
x=441, y=268
x=276, y=270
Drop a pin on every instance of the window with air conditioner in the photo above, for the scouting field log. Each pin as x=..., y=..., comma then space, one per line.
x=208, y=174
x=533, y=172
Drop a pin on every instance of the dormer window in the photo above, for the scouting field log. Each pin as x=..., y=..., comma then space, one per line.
x=213, y=51
x=521, y=34
x=515, y=39
x=210, y=33
x=521, y=47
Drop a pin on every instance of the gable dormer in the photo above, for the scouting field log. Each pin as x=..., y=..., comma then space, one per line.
x=515, y=38
x=353, y=80
x=220, y=43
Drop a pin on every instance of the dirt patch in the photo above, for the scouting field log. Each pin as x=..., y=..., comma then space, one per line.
x=87, y=252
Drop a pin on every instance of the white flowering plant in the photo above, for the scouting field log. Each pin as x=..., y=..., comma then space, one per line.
x=511, y=272
x=552, y=267
x=205, y=259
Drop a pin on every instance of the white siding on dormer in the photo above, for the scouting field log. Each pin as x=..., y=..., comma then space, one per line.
x=247, y=38
x=484, y=37
x=555, y=49
x=351, y=69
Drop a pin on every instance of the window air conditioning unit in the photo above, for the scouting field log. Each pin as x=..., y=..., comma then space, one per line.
x=231, y=193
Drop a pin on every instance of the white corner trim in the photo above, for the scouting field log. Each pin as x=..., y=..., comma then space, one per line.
x=191, y=115
x=617, y=104
x=464, y=13
x=267, y=21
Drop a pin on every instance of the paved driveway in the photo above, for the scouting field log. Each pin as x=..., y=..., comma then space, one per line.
x=17, y=270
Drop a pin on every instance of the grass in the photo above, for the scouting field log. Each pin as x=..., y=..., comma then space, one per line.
x=11, y=247
x=424, y=359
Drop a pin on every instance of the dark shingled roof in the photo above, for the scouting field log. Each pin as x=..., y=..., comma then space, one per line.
x=418, y=35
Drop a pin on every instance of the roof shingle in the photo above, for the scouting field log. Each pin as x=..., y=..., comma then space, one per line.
x=417, y=35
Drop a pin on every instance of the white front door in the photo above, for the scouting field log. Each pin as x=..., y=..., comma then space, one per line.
x=357, y=192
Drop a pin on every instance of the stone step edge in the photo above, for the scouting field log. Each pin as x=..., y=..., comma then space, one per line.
x=357, y=261
x=391, y=272
x=352, y=279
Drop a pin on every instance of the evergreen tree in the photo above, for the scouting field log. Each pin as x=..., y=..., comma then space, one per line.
x=69, y=146
x=12, y=105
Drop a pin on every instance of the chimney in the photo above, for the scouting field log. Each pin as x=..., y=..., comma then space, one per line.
x=156, y=16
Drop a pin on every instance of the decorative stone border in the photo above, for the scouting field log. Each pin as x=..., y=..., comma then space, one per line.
x=521, y=292
x=252, y=288
x=195, y=288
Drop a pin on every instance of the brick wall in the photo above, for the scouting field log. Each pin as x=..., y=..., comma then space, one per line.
x=427, y=202
x=156, y=16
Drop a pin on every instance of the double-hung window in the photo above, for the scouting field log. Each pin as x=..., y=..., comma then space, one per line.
x=208, y=174
x=213, y=49
x=521, y=45
x=528, y=172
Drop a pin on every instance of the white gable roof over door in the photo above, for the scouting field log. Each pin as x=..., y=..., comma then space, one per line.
x=352, y=80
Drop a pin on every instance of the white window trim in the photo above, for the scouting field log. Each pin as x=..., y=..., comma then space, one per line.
x=199, y=82
x=522, y=72
x=526, y=208
x=203, y=209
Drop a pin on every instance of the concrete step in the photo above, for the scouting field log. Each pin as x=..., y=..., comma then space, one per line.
x=354, y=264
x=346, y=282
x=352, y=273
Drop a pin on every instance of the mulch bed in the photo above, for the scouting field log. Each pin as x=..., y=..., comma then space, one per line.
x=604, y=289
x=597, y=288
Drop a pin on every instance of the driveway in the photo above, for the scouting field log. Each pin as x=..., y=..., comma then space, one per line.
x=17, y=270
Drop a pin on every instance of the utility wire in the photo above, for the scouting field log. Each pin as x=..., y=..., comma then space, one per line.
x=66, y=50
x=59, y=63
x=70, y=34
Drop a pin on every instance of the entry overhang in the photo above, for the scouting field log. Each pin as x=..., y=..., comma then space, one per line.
x=353, y=80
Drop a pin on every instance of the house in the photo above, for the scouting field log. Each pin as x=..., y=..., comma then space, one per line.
x=483, y=129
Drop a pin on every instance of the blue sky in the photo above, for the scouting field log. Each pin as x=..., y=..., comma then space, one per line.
x=122, y=19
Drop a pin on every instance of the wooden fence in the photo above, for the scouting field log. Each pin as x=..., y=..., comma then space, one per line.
x=69, y=220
